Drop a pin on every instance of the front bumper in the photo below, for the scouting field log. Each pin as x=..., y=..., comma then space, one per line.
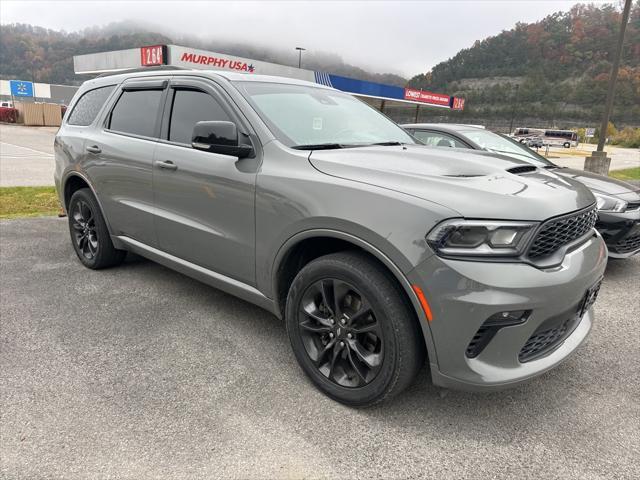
x=464, y=294
x=621, y=232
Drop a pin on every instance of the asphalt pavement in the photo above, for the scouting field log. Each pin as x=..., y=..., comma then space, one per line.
x=139, y=372
x=26, y=155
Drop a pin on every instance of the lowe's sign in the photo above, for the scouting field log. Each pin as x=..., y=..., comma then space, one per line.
x=20, y=88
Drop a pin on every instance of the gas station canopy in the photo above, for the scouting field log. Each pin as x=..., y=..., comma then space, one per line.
x=192, y=58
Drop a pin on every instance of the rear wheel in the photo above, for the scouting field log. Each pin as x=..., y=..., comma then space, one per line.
x=351, y=329
x=89, y=234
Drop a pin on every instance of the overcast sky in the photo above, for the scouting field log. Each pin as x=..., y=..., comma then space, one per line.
x=405, y=37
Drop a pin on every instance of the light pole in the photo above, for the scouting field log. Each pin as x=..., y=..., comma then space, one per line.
x=612, y=77
x=513, y=108
x=598, y=162
x=300, y=49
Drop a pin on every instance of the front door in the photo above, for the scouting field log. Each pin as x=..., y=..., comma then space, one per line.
x=203, y=202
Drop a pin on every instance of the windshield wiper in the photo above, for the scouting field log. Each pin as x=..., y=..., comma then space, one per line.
x=386, y=144
x=320, y=146
x=333, y=146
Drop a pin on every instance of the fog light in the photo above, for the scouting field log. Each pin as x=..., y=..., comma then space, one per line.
x=504, y=319
x=491, y=326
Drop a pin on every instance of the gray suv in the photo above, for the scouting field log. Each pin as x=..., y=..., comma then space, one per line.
x=375, y=250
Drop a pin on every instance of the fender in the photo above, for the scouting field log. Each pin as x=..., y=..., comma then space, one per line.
x=76, y=173
x=386, y=261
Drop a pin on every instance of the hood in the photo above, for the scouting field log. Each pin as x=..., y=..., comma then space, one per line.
x=601, y=184
x=475, y=186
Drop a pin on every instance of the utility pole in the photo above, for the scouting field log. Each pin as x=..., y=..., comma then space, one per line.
x=598, y=162
x=513, y=108
x=300, y=50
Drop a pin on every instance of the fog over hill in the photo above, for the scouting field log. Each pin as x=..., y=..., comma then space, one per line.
x=555, y=70
x=30, y=52
x=550, y=72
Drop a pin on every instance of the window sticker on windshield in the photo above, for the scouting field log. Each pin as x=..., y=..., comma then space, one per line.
x=317, y=123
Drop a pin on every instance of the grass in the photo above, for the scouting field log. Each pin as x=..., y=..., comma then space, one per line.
x=18, y=202
x=626, y=174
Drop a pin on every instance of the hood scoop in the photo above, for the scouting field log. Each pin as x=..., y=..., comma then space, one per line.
x=520, y=169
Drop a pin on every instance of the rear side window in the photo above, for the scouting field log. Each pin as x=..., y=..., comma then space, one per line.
x=189, y=108
x=136, y=112
x=86, y=109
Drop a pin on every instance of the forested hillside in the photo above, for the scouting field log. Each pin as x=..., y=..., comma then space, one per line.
x=554, y=70
x=34, y=53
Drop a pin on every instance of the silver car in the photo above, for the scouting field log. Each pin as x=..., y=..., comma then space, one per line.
x=377, y=252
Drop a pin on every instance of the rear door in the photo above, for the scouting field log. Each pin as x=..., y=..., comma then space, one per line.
x=204, y=202
x=78, y=126
x=122, y=152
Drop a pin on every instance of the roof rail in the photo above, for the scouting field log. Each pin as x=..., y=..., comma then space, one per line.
x=143, y=69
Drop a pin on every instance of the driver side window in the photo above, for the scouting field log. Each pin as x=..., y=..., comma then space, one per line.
x=190, y=107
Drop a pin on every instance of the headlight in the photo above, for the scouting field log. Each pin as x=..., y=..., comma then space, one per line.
x=606, y=203
x=459, y=237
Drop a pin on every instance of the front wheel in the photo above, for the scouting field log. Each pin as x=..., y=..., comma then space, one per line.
x=566, y=145
x=89, y=233
x=351, y=330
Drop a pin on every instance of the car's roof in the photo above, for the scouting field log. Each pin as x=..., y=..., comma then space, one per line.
x=215, y=74
x=454, y=127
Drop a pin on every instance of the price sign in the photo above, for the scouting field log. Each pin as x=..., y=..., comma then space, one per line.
x=151, y=56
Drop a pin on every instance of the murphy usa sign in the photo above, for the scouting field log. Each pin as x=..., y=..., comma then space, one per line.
x=193, y=58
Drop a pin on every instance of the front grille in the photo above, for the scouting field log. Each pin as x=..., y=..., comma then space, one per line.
x=543, y=341
x=560, y=231
x=632, y=206
x=552, y=332
x=628, y=244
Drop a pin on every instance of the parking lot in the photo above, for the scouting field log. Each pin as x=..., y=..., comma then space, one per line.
x=26, y=156
x=139, y=371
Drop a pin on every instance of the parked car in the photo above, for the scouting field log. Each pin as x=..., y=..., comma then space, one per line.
x=376, y=251
x=618, y=202
x=534, y=142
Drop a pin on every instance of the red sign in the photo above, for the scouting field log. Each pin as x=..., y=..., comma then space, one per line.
x=458, y=103
x=217, y=62
x=426, y=97
x=151, y=56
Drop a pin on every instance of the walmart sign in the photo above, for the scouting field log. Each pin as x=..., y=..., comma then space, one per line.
x=21, y=89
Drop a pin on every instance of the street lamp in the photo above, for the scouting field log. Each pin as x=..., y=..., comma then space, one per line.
x=300, y=49
x=513, y=108
x=598, y=162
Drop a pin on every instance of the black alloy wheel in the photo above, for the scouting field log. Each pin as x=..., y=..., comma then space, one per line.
x=352, y=329
x=84, y=226
x=340, y=333
x=89, y=233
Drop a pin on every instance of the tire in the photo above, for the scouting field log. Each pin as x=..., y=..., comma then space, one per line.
x=566, y=145
x=371, y=356
x=89, y=234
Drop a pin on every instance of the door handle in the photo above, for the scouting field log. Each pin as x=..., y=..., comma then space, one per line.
x=167, y=165
x=94, y=149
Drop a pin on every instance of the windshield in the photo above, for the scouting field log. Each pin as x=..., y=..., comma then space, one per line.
x=302, y=116
x=502, y=144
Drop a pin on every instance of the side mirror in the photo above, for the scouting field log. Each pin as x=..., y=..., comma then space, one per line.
x=219, y=137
